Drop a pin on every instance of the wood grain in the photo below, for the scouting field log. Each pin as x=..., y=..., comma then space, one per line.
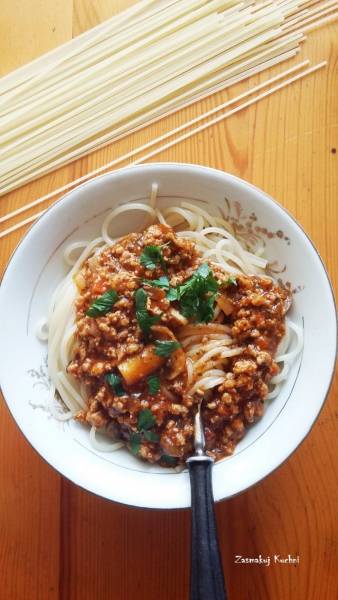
x=59, y=542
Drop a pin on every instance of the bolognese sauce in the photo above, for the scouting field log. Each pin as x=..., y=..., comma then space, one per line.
x=151, y=319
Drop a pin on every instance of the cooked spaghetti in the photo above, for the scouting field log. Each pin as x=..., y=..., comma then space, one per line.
x=146, y=325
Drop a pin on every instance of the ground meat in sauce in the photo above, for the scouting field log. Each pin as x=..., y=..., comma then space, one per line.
x=256, y=317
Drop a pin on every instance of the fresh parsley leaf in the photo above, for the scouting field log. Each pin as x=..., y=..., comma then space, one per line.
x=151, y=257
x=166, y=347
x=197, y=295
x=102, y=304
x=162, y=282
x=151, y=436
x=145, y=419
x=231, y=280
x=115, y=383
x=135, y=442
x=144, y=319
x=203, y=270
x=153, y=384
x=172, y=294
x=170, y=460
x=136, y=439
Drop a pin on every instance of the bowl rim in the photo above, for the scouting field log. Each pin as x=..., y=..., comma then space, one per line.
x=236, y=180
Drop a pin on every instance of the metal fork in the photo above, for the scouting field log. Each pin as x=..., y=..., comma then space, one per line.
x=206, y=573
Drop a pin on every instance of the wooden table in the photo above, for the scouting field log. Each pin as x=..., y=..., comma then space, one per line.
x=59, y=542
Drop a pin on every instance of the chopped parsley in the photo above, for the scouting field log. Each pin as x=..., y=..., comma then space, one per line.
x=151, y=257
x=151, y=436
x=169, y=460
x=162, y=282
x=231, y=280
x=166, y=347
x=144, y=319
x=197, y=295
x=145, y=421
x=172, y=294
x=135, y=442
x=115, y=382
x=102, y=304
x=153, y=384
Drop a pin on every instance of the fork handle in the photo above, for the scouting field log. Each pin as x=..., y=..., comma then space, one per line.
x=206, y=573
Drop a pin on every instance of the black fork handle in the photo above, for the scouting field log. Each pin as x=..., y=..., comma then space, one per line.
x=206, y=573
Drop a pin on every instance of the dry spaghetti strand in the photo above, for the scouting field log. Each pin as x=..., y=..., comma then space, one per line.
x=147, y=62
x=158, y=150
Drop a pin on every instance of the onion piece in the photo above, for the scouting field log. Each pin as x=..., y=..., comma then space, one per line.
x=225, y=305
x=178, y=357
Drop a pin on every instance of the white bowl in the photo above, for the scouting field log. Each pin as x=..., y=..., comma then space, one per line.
x=36, y=268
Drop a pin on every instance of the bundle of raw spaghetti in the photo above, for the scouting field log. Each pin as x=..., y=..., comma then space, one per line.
x=149, y=61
